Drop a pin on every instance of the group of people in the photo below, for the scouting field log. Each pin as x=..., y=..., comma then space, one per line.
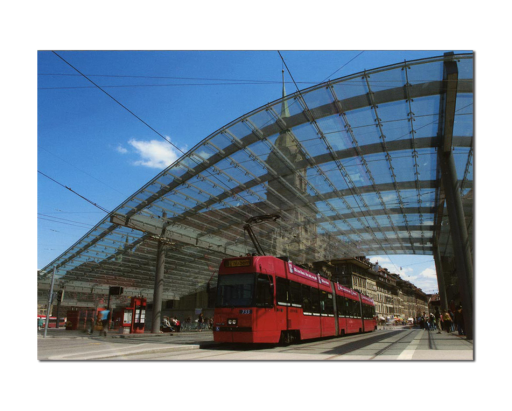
x=204, y=323
x=102, y=323
x=445, y=320
x=171, y=324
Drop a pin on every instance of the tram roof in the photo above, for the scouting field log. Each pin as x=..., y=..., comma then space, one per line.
x=367, y=147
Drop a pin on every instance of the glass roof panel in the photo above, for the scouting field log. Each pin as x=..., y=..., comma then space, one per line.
x=261, y=119
x=393, y=111
x=424, y=73
x=367, y=134
x=220, y=141
x=361, y=117
x=261, y=149
x=427, y=164
x=463, y=125
x=354, y=86
x=318, y=97
x=460, y=155
x=403, y=165
x=379, y=168
x=465, y=67
x=239, y=130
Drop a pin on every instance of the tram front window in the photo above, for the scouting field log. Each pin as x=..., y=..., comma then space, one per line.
x=235, y=290
x=245, y=290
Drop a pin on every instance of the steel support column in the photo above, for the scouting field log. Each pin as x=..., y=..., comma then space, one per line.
x=440, y=277
x=460, y=239
x=458, y=231
x=159, y=288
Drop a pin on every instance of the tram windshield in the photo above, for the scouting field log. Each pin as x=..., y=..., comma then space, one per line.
x=244, y=290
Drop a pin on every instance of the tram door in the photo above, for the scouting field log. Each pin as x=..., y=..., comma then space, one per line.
x=265, y=320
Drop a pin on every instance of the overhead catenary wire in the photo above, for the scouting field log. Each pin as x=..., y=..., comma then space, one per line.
x=72, y=165
x=167, y=78
x=73, y=191
x=329, y=76
x=121, y=104
x=136, y=116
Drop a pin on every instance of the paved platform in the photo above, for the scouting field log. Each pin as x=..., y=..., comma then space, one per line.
x=63, y=333
x=393, y=343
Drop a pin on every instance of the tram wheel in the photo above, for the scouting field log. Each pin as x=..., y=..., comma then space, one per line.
x=289, y=337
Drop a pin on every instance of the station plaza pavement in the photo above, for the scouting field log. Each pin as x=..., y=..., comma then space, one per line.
x=421, y=346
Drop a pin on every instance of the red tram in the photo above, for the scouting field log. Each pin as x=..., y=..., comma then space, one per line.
x=264, y=299
x=52, y=323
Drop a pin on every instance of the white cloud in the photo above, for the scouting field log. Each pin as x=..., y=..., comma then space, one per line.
x=121, y=149
x=154, y=153
x=380, y=259
x=429, y=273
x=426, y=280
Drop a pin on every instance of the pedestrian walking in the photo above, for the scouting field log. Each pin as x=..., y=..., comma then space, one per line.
x=452, y=317
x=425, y=321
x=89, y=326
x=432, y=322
x=102, y=322
x=459, y=320
x=177, y=324
x=447, y=321
x=200, y=321
x=437, y=317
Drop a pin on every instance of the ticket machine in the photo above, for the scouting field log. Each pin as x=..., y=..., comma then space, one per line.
x=134, y=316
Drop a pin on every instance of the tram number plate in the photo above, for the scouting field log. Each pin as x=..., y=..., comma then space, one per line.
x=245, y=311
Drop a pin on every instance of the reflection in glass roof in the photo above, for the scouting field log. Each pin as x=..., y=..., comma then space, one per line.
x=350, y=165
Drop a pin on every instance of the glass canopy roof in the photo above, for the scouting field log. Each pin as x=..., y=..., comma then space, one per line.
x=350, y=166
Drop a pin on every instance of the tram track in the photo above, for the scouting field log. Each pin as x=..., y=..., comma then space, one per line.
x=361, y=343
x=380, y=352
x=345, y=341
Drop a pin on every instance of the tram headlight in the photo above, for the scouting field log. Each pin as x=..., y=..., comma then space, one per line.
x=232, y=321
x=229, y=322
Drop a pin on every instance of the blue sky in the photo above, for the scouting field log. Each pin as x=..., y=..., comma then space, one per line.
x=89, y=143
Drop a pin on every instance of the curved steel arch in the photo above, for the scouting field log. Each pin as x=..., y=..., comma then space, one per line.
x=276, y=159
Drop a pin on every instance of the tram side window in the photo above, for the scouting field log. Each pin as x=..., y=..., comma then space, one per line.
x=340, y=305
x=350, y=307
x=365, y=311
x=282, y=293
x=306, y=298
x=295, y=294
x=370, y=311
x=357, y=309
x=264, y=291
x=326, y=303
x=346, y=307
x=354, y=308
x=343, y=306
x=315, y=300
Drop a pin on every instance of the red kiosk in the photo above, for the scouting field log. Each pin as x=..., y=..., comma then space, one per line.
x=132, y=319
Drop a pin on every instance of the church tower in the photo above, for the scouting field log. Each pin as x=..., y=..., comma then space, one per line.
x=293, y=242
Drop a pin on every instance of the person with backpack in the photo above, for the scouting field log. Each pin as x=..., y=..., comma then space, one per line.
x=447, y=321
x=437, y=317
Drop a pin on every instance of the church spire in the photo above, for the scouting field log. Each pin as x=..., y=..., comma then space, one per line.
x=284, y=107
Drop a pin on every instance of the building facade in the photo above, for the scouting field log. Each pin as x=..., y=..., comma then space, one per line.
x=393, y=296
